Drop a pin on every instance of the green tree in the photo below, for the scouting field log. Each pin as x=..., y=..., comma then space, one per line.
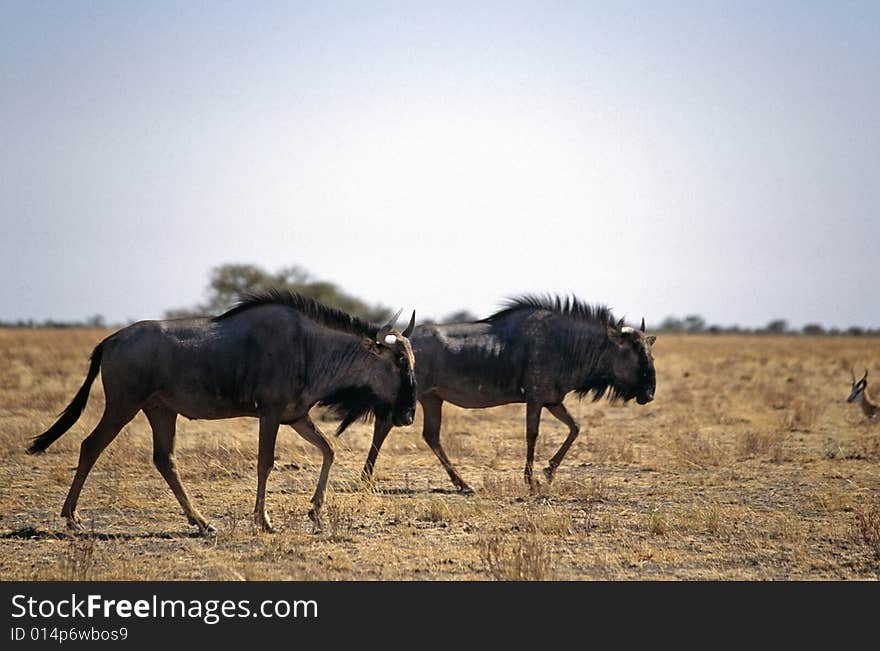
x=229, y=281
x=694, y=323
x=777, y=327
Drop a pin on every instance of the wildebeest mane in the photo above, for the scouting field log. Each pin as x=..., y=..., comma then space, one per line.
x=579, y=347
x=309, y=307
x=569, y=306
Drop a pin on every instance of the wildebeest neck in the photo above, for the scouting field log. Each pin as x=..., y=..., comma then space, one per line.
x=590, y=367
x=356, y=385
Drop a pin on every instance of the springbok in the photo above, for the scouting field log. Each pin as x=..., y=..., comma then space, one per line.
x=859, y=392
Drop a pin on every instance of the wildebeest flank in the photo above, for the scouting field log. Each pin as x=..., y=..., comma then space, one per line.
x=274, y=356
x=535, y=350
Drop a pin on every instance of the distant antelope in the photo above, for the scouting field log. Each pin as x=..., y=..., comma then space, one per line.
x=860, y=393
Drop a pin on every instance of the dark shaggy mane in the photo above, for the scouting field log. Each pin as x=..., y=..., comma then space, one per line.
x=353, y=404
x=583, y=346
x=309, y=307
x=569, y=306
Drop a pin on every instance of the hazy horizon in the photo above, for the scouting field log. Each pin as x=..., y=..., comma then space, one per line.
x=666, y=159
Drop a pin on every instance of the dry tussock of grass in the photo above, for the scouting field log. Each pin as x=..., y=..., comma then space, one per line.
x=440, y=509
x=699, y=450
x=868, y=526
x=516, y=559
x=759, y=443
x=503, y=485
x=611, y=448
x=547, y=521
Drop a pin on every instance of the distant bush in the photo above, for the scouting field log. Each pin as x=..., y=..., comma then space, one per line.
x=776, y=327
x=229, y=281
x=694, y=324
x=460, y=316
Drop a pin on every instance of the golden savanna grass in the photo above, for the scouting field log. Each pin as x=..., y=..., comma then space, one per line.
x=749, y=465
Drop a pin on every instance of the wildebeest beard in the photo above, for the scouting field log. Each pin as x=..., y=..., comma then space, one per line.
x=601, y=387
x=353, y=403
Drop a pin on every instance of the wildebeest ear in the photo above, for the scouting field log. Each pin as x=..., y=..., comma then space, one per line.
x=650, y=339
x=615, y=335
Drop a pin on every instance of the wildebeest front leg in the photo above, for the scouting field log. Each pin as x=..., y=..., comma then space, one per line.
x=432, y=412
x=164, y=424
x=265, y=458
x=562, y=414
x=310, y=432
x=533, y=420
x=380, y=432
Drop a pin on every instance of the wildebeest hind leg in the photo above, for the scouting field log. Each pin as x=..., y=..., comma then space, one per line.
x=310, y=432
x=432, y=410
x=573, y=430
x=105, y=431
x=164, y=424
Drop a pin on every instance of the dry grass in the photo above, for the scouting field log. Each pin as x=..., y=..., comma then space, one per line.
x=516, y=559
x=749, y=465
x=868, y=526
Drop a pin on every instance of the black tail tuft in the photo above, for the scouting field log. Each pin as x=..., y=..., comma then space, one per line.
x=73, y=411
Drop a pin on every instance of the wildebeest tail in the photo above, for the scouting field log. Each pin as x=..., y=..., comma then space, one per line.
x=73, y=411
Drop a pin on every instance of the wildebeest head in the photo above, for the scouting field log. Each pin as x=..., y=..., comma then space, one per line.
x=633, y=363
x=390, y=387
x=858, y=388
x=396, y=388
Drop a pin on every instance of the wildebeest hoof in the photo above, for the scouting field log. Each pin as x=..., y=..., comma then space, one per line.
x=548, y=473
x=464, y=489
x=315, y=517
x=76, y=527
x=265, y=524
x=207, y=530
x=75, y=524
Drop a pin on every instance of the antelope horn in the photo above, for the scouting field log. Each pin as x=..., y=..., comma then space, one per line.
x=853, y=373
x=865, y=376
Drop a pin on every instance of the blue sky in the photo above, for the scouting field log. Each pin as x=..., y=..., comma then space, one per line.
x=717, y=158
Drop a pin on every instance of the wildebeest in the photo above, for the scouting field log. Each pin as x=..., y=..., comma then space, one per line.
x=273, y=356
x=535, y=350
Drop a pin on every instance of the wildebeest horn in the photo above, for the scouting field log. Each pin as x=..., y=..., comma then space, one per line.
x=620, y=324
x=384, y=336
x=393, y=320
x=412, y=324
x=643, y=324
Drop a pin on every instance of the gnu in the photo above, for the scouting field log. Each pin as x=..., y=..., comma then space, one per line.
x=535, y=350
x=273, y=356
